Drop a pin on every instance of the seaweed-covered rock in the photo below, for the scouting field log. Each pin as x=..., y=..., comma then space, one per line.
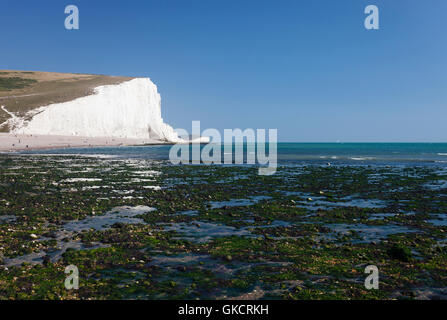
x=400, y=252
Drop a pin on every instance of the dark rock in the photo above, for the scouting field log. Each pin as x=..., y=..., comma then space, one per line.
x=400, y=252
x=181, y=268
x=118, y=225
x=46, y=260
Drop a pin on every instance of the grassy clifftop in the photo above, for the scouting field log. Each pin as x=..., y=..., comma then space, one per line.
x=22, y=91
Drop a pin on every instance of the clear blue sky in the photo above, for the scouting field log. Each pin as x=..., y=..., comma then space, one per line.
x=306, y=67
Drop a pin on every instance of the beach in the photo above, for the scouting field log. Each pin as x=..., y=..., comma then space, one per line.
x=16, y=142
x=138, y=227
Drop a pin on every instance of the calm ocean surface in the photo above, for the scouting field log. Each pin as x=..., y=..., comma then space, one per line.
x=366, y=153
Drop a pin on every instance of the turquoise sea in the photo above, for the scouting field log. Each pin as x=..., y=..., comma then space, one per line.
x=367, y=153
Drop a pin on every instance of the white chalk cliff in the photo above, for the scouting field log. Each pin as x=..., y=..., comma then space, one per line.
x=131, y=109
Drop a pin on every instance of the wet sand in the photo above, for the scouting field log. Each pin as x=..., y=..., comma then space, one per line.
x=16, y=142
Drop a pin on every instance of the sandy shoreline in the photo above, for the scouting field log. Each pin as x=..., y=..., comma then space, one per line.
x=16, y=142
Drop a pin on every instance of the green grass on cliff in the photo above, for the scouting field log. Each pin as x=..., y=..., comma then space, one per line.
x=11, y=83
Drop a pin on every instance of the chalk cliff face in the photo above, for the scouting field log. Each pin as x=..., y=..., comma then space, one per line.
x=131, y=109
